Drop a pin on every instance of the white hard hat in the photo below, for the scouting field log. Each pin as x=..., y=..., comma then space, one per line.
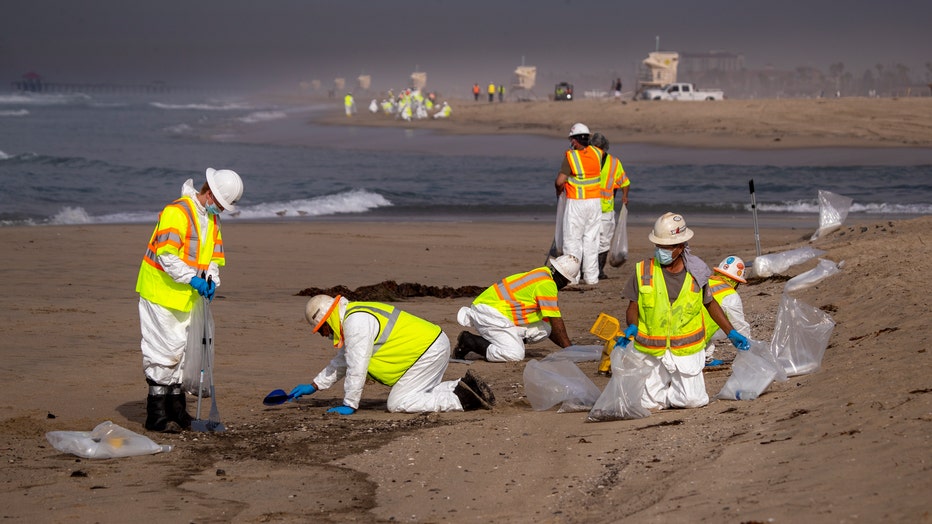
x=579, y=129
x=732, y=267
x=670, y=230
x=226, y=186
x=568, y=266
x=318, y=309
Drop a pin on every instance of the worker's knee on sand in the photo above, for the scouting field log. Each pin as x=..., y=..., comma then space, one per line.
x=496, y=353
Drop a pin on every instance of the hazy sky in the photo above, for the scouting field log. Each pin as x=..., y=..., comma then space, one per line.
x=457, y=42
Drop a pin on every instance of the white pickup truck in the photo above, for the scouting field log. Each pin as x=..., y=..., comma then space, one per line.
x=682, y=91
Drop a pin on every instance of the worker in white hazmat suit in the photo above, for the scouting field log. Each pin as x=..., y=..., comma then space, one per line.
x=520, y=309
x=444, y=112
x=723, y=284
x=613, y=179
x=398, y=349
x=579, y=179
x=181, y=264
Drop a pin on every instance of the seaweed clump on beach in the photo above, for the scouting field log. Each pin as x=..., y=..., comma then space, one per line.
x=391, y=291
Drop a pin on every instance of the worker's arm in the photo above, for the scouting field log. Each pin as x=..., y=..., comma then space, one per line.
x=631, y=315
x=560, y=182
x=718, y=315
x=558, y=332
x=624, y=195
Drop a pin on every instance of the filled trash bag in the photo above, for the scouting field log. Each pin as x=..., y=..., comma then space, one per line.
x=751, y=372
x=557, y=248
x=107, y=440
x=823, y=270
x=195, y=352
x=575, y=354
x=546, y=384
x=618, y=250
x=621, y=398
x=833, y=210
x=768, y=265
x=800, y=336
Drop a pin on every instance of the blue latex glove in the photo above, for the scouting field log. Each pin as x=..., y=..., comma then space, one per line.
x=621, y=343
x=738, y=340
x=302, y=389
x=200, y=285
x=630, y=333
x=343, y=410
x=211, y=289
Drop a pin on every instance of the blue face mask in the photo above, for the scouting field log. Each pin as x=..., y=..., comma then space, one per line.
x=212, y=209
x=664, y=256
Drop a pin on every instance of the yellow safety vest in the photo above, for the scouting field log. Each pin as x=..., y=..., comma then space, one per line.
x=524, y=298
x=612, y=177
x=720, y=289
x=586, y=167
x=177, y=233
x=678, y=327
x=402, y=339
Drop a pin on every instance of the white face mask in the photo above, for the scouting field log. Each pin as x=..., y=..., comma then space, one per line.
x=664, y=256
x=212, y=209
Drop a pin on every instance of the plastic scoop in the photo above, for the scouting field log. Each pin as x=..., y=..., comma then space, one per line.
x=606, y=327
x=276, y=397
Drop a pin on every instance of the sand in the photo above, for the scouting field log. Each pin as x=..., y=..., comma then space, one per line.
x=848, y=443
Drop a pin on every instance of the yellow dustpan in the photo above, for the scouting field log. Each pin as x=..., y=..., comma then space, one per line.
x=606, y=327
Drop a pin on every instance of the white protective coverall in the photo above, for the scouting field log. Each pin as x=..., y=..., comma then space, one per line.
x=734, y=310
x=421, y=389
x=164, y=330
x=582, y=222
x=507, y=340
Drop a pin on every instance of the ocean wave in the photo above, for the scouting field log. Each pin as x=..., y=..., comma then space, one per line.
x=3, y=156
x=262, y=116
x=226, y=106
x=15, y=112
x=38, y=99
x=812, y=207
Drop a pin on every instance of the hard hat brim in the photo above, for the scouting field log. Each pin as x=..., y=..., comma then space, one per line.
x=679, y=238
x=733, y=277
x=323, y=319
x=211, y=183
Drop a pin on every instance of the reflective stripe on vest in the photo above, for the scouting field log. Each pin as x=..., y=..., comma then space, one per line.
x=586, y=165
x=679, y=327
x=401, y=341
x=524, y=298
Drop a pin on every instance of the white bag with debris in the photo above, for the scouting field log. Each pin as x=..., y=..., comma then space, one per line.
x=621, y=398
x=107, y=440
x=800, y=336
x=618, y=251
x=546, y=384
x=768, y=265
x=833, y=210
x=751, y=373
x=823, y=270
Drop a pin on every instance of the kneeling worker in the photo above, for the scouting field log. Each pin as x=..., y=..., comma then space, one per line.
x=398, y=349
x=724, y=284
x=521, y=308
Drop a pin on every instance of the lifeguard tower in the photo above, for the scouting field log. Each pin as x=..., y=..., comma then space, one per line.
x=418, y=80
x=657, y=70
x=364, y=82
x=525, y=78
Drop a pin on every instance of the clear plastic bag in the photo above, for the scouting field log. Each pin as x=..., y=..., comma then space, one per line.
x=823, y=270
x=575, y=354
x=107, y=440
x=769, y=265
x=618, y=251
x=557, y=248
x=751, y=372
x=833, y=210
x=621, y=398
x=546, y=384
x=194, y=354
x=800, y=336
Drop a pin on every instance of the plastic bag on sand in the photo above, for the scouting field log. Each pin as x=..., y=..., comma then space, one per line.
x=751, y=372
x=557, y=248
x=546, y=384
x=575, y=354
x=107, y=440
x=193, y=360
x=800, y=336
x=618, y=250
x=833, y=210
x=622, y=396
x=823, y=270
x=768, y=265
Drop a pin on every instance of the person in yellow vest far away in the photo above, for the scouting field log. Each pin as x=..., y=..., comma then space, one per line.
x=491, y=92
x=522, y=308
x=402, y=351
x=668, y=294
x=349, y=105
x=724, y=284
x=181, y=264
x=613, y=178
x=579, y=177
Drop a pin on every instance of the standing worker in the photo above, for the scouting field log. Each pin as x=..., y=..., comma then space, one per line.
x=491, y=92
x=182, y=262
x=724, y=284
x=475, y=91
x=579, y=177
x=521, y=308
x=349, y=105
x=665, y=320
x=501, y=93
x=404, y=352
x=613, y=178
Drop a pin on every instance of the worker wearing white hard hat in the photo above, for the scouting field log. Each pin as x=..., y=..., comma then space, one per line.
x=396, y=348
x=520, y=309
x=180, y=266
x=666, y=327
x=724, y=283
x=578, y=181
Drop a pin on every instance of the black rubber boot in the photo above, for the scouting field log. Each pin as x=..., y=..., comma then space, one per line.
x=467, y=342
x=603, y=258
x=178, y=407
x=469, y=399
x=480, y=386
x=158, y=410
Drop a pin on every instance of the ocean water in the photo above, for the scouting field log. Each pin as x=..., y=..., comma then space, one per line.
x=78, y=159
